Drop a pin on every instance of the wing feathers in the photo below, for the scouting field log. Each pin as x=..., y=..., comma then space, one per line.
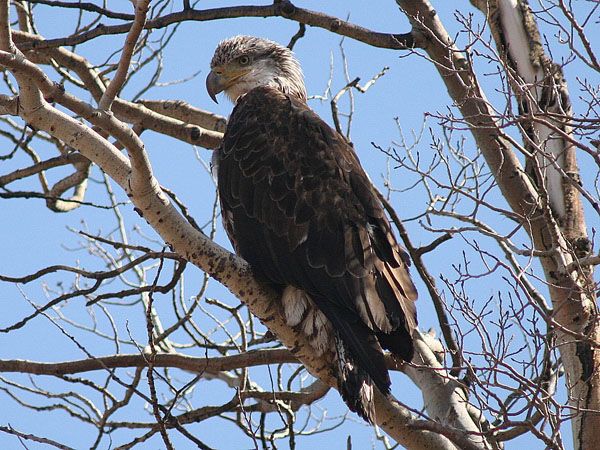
x=303, y=213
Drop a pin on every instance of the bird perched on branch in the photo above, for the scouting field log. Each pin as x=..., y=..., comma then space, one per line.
x=298, y=206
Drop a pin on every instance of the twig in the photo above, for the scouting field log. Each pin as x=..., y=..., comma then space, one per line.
x=85, y=7
x=352, y=84
x=151, y=358
x=58, y=161
x=296, y=37
x=34, y=438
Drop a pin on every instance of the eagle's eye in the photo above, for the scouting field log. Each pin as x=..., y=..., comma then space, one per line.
x=244, y=60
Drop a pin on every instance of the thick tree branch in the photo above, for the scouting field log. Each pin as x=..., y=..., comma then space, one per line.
x=189, y=363
x=187, y=113
x=452, y=412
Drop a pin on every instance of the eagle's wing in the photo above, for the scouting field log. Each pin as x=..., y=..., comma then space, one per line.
x=300, y=209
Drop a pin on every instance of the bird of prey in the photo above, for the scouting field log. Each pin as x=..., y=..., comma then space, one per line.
x=298, y=206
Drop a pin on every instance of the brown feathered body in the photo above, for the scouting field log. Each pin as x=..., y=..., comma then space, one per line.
x=299, y=208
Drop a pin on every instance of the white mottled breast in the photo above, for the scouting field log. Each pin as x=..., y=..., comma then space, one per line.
x=302, y=313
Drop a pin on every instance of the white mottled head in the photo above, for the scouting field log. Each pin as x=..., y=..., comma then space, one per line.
x=242, y=63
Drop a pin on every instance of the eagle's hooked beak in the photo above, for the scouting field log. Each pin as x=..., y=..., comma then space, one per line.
x=215, y=83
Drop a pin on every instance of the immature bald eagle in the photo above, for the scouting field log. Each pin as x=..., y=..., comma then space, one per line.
x=299, y=208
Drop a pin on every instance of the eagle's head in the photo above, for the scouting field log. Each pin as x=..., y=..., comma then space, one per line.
x=242, y=63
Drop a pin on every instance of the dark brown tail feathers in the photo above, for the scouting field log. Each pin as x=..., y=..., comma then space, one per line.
x=354, y=383
x=361, y=363
x=361, y=368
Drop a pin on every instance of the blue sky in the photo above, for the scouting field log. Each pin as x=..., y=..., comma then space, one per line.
x=35, y=237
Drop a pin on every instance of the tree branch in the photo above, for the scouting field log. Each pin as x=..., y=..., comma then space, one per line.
x=192, y=364
x=141, y=8
x=279, y=9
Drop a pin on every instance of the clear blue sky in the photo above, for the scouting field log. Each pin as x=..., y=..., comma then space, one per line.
x=34, y=237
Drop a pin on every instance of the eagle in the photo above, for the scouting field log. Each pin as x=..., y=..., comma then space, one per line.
x=299, y=208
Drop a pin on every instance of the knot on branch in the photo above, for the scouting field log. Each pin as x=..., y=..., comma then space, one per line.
x=335, y=25
x=9, y=105
x=97, y=113
x=582, y=246
x=285, y=7
x=195, y=133
x=138, y=210
x=57, y=92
